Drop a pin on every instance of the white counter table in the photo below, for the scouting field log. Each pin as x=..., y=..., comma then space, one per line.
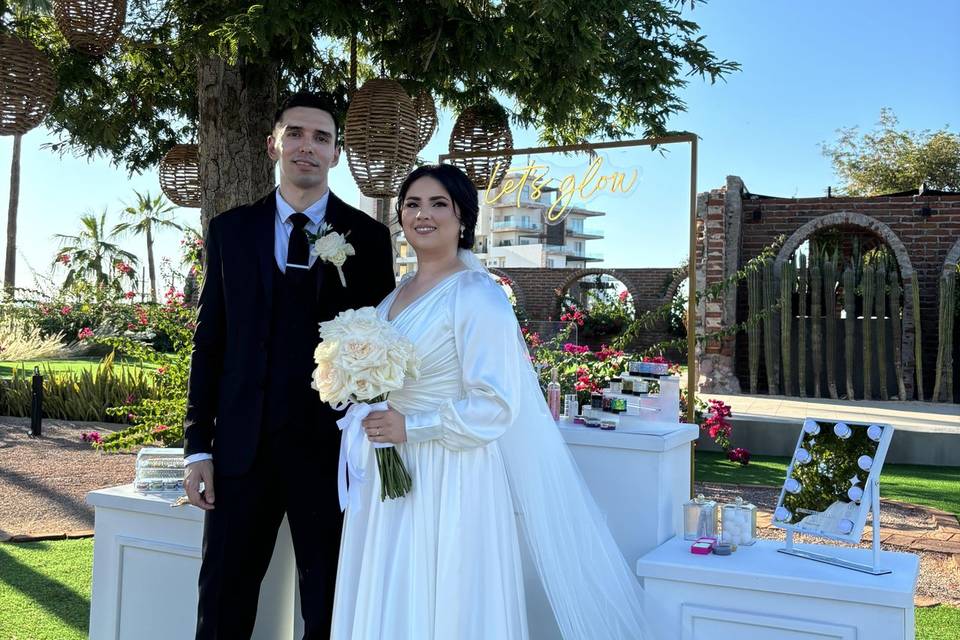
x=758, y=593
x=147, y=554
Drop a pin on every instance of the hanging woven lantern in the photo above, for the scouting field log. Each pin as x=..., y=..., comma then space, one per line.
x=180, y=175
x=483, y=127
x=380, y=134
x=27, y=85
x=90, y=26
x=426, y=118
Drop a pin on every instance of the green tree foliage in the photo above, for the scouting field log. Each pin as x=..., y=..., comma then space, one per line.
x=574, y=70
x=888, y=159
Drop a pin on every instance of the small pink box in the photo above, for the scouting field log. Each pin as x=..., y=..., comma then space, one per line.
x=703, y=546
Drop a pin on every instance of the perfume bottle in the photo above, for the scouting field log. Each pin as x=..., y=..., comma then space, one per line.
x=553, y=395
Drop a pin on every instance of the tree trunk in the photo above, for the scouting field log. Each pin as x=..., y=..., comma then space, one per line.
x=150, y=266
x=236, y=104
x=10, y=266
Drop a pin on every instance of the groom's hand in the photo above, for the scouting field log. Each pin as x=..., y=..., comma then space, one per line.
x=197, y=472
x=386, y=426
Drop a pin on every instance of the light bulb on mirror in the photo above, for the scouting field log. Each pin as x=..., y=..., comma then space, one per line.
x=792, y=485
x=865, y=462
x=855, y=493
x=810, y=427
x=782, y=514
x=842, y=430
x=845, y=526
x=874, y=432
x=802, y=456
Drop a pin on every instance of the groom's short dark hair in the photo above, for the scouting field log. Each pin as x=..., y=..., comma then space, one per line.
x=313, y=101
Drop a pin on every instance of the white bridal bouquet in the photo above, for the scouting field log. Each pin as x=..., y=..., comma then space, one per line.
x=360, y=360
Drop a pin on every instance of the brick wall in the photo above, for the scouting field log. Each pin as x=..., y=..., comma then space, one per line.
x=536, y=288
x=925, y=240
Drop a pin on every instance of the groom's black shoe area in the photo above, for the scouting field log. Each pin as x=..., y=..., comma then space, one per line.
x=275, y=446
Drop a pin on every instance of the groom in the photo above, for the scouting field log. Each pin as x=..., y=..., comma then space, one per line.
x=256, y=435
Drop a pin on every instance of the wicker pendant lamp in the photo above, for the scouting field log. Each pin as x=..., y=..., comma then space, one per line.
x=27, y=85
x=483, y=127
x=380, y=134
x=180, y=175
x=90, y=26
x=426, y=118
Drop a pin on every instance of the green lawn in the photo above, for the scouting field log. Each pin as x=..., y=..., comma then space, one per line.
x=938, y=623
x=937, y=487
x=45, y=590
x=45, y=594
x=74, y=364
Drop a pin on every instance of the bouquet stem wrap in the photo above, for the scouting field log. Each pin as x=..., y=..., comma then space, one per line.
x=395, y=481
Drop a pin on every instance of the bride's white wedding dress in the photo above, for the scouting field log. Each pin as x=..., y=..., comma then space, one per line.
x=443, y=562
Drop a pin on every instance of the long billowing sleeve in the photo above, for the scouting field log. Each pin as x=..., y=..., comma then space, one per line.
x=491, y=352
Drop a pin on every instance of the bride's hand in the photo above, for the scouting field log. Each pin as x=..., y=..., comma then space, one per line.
x=388, y=426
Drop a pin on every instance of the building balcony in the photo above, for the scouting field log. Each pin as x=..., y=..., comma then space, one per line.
x=572, y=254
x=586, y=233
x=516, y=225
x=587, y=213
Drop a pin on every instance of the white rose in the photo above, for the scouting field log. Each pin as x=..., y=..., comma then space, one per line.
x=388, y=377
x=333, y=248
x=331, y=384
x=326, y=352
x=361, y=353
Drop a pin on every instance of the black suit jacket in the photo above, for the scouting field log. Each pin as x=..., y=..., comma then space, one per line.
x=225, y=392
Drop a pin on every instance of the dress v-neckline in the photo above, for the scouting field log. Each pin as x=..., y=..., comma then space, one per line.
x=416, y=300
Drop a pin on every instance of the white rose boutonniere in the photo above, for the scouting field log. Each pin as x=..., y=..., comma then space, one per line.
x=332, y=247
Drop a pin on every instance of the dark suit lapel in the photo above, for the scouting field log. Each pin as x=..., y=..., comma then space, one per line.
x=265, y=212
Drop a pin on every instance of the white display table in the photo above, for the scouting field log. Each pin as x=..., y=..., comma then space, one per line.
x=146, y=561
x=758, y=594
x=147, y=555
x=640, y=476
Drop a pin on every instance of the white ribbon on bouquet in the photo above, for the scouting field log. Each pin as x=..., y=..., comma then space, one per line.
x=352, y=452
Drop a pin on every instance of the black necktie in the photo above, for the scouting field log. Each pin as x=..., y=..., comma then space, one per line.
x=298, y=250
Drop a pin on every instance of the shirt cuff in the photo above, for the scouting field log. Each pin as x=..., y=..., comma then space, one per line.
x=197, y=457
x=423, y=426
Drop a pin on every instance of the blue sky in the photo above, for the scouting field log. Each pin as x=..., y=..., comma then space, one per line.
x=808, y=68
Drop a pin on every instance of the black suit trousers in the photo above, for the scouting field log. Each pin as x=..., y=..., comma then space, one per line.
x=288, y=477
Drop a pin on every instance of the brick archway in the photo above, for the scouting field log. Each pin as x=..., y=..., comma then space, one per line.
x=567, y=282
x=516, y=288
x=682, y=273
x=848, y=218
x=892, y=240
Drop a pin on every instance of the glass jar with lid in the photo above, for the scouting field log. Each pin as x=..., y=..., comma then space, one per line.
x=699, y=518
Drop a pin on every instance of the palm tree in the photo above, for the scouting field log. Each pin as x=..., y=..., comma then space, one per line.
x=90, y=256
x=148, y=215
x=19, y=9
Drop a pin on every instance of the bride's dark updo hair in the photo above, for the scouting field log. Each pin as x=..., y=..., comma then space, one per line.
x=461, y=191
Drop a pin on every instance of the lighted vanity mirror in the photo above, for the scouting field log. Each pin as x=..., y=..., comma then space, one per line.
x=832, y=481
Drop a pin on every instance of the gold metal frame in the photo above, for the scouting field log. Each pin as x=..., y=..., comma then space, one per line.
x=691, y=268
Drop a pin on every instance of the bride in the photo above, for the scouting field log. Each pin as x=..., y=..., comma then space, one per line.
x=490, y=470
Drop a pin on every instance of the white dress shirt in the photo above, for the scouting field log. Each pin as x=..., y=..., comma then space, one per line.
x=281, y=243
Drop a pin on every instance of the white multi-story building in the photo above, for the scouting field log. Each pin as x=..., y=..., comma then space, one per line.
x=513, y=232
